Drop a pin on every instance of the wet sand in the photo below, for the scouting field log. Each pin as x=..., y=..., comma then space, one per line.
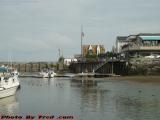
x=155, y=79
x=136, y=78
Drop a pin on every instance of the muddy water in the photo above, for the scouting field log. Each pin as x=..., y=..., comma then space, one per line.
x=98, y=100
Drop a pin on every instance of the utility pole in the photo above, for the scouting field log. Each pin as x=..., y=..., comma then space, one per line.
x=112, y=58
x=112, y=63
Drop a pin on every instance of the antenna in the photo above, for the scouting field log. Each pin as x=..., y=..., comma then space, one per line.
x=9, y=59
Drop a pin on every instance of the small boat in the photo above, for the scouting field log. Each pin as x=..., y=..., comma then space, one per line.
x=9, y=82
x=47, y=73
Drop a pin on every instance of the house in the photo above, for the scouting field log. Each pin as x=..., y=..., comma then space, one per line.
x=120, y=41
x=93, y=49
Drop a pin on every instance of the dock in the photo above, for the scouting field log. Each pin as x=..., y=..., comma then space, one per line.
x=91, y=76
x=37, y=76
x=78, y=76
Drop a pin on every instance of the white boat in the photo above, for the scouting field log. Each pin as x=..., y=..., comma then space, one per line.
x=47, y=73
x=9, y=82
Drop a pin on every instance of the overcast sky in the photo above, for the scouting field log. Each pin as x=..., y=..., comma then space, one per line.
x=34, y=30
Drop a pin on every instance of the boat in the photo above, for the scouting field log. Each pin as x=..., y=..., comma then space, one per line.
x=47, y=73
x=9, y=82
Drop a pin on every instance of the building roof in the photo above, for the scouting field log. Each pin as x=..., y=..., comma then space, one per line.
x=150, y=37
x=121, y=38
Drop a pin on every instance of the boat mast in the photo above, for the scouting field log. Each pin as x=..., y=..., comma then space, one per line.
x=9, y=60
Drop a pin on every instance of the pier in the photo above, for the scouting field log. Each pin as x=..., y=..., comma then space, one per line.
x=114, y=67
x=104, y=68
x=86, y=67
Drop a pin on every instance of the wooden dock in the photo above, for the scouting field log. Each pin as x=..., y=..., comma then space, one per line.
x=104, y=68
x=91, y=76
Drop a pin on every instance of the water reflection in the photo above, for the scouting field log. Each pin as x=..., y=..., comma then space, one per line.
x=8, y=105
x=92, y=99
x=137, y=108
x=118, y=100
x=38, y=82
x=83, y=83
x=85, y=100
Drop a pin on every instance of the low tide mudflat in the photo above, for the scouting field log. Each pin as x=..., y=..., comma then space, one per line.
x=137, y=78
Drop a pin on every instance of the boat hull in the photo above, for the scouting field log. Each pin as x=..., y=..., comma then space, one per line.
x=47, y=75
x=8, y=92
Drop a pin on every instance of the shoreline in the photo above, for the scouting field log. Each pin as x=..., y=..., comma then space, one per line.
x=144, y=79
x=148, y=78
x=136, y=78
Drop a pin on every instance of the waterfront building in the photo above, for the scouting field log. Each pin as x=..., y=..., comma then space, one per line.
x=68, y=61
x=78, y=57
x=120, y=41
x=142, y=45
x=93, y=50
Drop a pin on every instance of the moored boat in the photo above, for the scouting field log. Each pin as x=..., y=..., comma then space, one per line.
x=47, y=73
x=9, y=82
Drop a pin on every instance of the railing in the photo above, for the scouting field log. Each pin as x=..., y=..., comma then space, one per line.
x=150, y=48
x=99, y=66
x=134, y=48
x=102, y=64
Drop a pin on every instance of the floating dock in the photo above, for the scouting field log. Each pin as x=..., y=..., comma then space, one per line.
x=73, y=76
x=37, y=76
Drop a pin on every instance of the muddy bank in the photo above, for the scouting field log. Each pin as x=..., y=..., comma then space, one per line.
x=124, y=78
x=136, y=78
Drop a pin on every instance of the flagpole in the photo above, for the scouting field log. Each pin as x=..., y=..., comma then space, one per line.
x=81, y=48
x=81, y=43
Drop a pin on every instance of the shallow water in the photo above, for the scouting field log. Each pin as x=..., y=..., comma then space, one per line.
x=111, y=100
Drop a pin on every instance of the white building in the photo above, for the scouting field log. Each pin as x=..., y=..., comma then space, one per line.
x=120, y=41
x=67, y=61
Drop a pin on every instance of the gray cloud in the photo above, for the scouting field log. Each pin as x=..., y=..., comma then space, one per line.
x=36, y=29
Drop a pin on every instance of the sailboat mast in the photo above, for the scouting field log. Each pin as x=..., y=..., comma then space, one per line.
x=9, y=60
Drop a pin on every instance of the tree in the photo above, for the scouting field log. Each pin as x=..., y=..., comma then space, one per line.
x=91, y=57
x=61, y=59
